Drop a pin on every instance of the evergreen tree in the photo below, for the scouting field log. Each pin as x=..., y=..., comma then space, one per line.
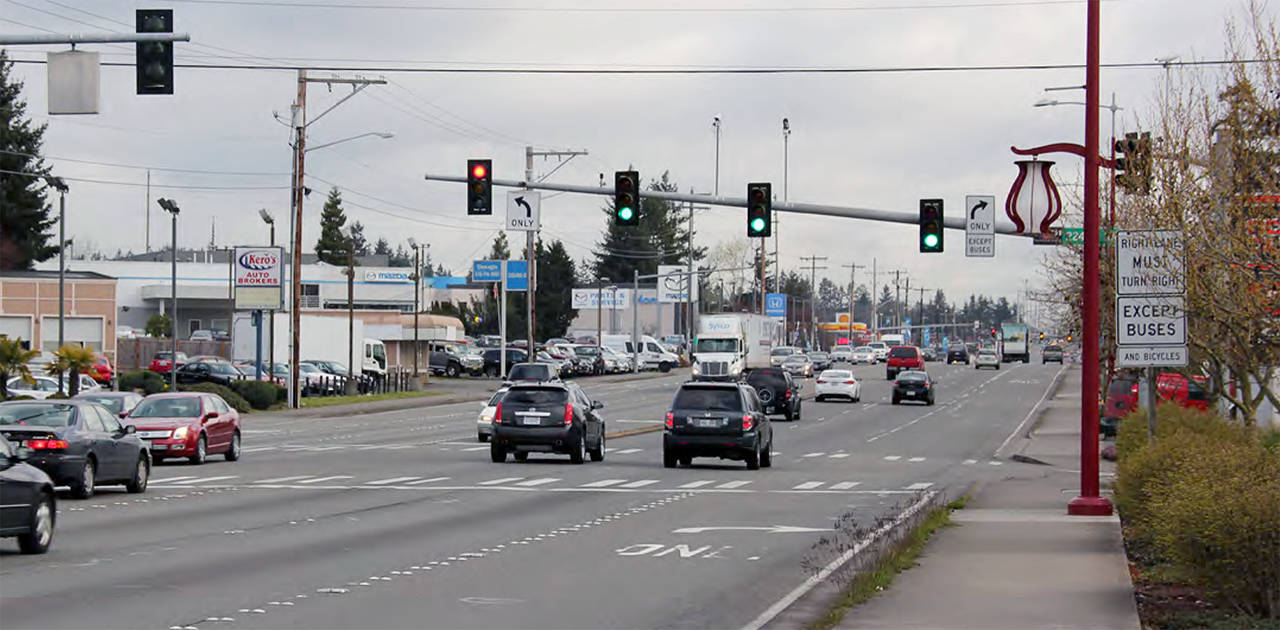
x=332, y=246
x=383, y=248
x=556, y=274
x=26, y=218
x=357, y=235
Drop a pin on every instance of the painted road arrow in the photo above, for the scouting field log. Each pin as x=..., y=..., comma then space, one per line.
x=775, y=529
x=528, y=210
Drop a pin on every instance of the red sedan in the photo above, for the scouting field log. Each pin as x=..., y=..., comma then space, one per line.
x=161, y=363
x=187, y=424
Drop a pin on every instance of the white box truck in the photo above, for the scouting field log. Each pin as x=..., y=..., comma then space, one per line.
x=1013, y=343
x=730, y=345
x=321, y=338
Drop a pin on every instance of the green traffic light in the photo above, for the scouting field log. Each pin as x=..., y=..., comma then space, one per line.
x=757, y=224
x=931, y=240
x=624, y=213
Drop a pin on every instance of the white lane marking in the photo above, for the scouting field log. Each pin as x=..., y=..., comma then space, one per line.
x=813, y=454
x=733, y=484
x=808, y=485
x=919, y=486
x=383, y=482
x=845, y=485
x=282, y=479
x=640, y=484
x=538, y=482
x=203, y=480
x=1043, y=397
x=603, y=483
x=403, y=446
x=475, y=448
x=916, y=459
x=698, y=484
x=257, y=449
x=838, y=455
x=494, y=482
x=629, y=451
x=329, y=478
x=892, y=458
x=970, y=462
x=422, y=481
x=995, y=463
x=173, y=479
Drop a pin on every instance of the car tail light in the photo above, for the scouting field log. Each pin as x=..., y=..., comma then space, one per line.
x=497, y=413
x=850, y=382
x=568, y=414
x=47, y=445
x=787, y=395
x=671, y=419
x=747, y=423
x=820, y=381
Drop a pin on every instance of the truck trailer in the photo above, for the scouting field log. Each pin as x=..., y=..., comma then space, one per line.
x=731, y=344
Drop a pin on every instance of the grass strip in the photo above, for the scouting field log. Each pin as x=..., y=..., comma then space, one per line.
x=869, y=583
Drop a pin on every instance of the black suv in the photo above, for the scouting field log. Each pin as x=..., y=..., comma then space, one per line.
x=778, y=392
x=722, y=420
x=958, y=354
x=493, y=358
x=548, y=418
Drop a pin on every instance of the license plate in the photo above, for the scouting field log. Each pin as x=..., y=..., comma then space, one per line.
x=529, y=420
x=768, y=409
x=911, y=394
x=159, y=447
x=708, y=423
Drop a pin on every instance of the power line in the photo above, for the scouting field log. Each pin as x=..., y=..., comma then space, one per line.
x=145, y=168
x=312, y=4
x=143, y=185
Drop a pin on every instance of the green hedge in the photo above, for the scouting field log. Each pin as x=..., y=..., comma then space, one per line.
x=259, y=394
x=232, y=398
x=145, y=380
x=1204, y=499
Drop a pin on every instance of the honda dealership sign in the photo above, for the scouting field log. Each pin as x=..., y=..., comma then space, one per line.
x=259, y=278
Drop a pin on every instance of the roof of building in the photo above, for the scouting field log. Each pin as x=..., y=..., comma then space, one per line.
x=44, y=275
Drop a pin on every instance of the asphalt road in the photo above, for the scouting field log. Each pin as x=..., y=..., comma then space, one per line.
x=399, y=520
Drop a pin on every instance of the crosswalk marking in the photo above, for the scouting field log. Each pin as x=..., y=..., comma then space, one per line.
x=173, y=479
x=385, y=482
x=732, y=485
x=639, y=484
x=202, y=480
x=919, y=486
x=538, y=482
x=814, y=454
x=698, y=484
x=916, y=459
x=494, y=482
x=603, y=483
x=431, y=480
x=892, y=458
x=845, y=485
x=970, y=461
x=808, y=485
x=329, y=478
x=282, y=479
x=839, y=455
x=629, y=451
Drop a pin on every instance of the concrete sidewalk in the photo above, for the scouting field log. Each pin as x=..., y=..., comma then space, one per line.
x=1015, y=559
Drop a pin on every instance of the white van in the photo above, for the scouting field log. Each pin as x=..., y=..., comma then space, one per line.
x=652, y=355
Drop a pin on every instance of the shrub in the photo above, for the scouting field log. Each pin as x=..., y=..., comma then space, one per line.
x=235, y=400
x=22, y=397
x=146, y=380
x=259, y=394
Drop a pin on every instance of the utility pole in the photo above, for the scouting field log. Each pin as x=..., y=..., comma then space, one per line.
x=688, y=337
x=853, y=294
x=921, y=313
x=148, y=207
x=531, y=257
x=300, y=124
x=813, y=295
x=875, y=302
x=777, y=259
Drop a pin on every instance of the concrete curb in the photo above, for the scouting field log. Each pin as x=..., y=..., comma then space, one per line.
x=815, y=603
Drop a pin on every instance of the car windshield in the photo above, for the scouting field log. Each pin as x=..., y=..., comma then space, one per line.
x=114, y=403
x=541, y=396
x=37, y=414
x=708, y=399
x=307, y=368
x=1053, y=349
x=797, y=358
x=863, y=349
x=987, y=353
x=186, y=407
x=903, y=353
x=586, y=351
x=836, y=375
x=718, y=345
x=817, y=355
x=782, y=352
x=878, y=344
x=913, y=376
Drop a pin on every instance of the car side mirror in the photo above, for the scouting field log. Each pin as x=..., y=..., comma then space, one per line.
x=129, y=428
x=124, y=414
x=211, y=415
x=595, y=404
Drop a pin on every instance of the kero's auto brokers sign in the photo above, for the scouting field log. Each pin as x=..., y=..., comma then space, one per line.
x=259, y=278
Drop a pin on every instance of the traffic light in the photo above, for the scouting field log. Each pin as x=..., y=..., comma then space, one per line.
x=759, y=210
x=1041, y=336
x=626, y=198
x=479, y=186
x=930, y=225
x=993, y=331
x=154, y=63
x=1133, y=163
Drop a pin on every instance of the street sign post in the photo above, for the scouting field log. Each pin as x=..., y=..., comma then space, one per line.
x=524, y=210
x=980, y=226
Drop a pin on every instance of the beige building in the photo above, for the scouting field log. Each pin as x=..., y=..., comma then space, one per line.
x=29, y=309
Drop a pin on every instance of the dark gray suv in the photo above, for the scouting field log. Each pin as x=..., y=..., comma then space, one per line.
x=722, y=420
x=551, y=417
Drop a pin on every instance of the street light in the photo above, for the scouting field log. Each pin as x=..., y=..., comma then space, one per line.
x=271, y=315
x=600, y=311
x=172, y=208
x=1045, y=102
x=57, y=184
x=350, y=233
x=385, y=135
x=417, y=292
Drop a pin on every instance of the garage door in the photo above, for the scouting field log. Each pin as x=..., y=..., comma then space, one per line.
x=16, y=327
x=85, y=331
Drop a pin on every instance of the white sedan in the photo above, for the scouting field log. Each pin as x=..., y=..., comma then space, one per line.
x=838, y=384
x=986, y=358
x=863, y=354
x=484, y=424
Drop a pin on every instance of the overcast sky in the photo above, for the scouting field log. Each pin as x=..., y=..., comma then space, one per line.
x=877, y=140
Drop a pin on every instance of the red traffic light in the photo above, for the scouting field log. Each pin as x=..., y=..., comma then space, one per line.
x=479, y=171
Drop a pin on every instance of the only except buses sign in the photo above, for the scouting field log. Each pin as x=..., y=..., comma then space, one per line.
x=259, y=278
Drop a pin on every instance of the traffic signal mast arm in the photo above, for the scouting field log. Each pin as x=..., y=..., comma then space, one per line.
x=844, y=212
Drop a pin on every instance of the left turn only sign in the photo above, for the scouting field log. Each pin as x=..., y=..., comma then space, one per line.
x=524, y=210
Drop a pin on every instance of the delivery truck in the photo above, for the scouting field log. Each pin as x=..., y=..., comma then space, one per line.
x=730, y=345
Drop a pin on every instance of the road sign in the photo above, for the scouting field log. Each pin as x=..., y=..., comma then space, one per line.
x=524, y=209
x=775, y=305
x=486, y=271
x=1151, y=356
x=517, y=275
x=1075, y=235
x=608, y=299
x=1149, y=263
x=980, y=226
x=924, y=337
x=1151, y=320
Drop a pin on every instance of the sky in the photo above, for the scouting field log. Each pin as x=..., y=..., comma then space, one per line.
x=879, y=140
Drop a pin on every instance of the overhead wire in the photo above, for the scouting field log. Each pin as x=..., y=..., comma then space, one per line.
x=314, y=4
x=89, y=180
x=147, y=168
